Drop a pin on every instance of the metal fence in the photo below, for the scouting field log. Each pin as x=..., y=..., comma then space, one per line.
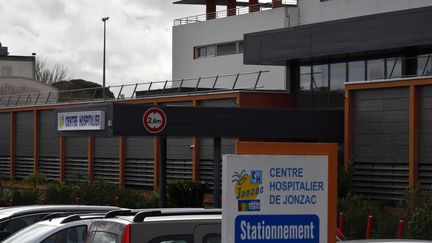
x=230, y=12
x=239, y=81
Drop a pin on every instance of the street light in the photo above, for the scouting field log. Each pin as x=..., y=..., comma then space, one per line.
x=103, y=77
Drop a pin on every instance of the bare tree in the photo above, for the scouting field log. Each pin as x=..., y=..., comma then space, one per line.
x=50, y=74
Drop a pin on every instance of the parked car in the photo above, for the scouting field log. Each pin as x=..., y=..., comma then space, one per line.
x=15, y=218
x=387, y=241
x=72, y=228
x=162, y=225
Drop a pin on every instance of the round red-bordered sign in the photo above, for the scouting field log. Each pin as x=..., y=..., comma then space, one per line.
x=154, y=120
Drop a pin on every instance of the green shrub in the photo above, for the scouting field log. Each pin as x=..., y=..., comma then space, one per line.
x=186, y=193
x=130, y=198
x=97, y=193
x=151, y=200
x=344, y=178
x=24, y=197
x=35, y=179
x=420, y=222
x=59, y=193
x=357, y=210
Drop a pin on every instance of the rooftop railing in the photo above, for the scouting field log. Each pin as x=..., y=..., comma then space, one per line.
x=231, y=12
x=240, y=81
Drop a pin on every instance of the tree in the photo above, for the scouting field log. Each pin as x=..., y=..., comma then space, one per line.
x=79, y=89
x=49, y=74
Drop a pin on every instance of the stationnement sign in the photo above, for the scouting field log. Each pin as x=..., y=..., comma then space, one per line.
x=154, y=120
x=275, y=198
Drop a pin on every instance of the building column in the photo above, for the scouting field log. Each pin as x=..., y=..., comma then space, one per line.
x=211, y=9
x=62, y=158
x=90, y=158
x=12, y=146
x=254, y=6
x=231, y=7
x=35, y=141
x=276, y=3
x=413, y=136
x=156, y=151
x=195, y=153
x=122, y=161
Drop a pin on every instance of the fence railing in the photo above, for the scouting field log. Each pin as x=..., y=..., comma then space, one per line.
x=239, y=81
x=231, y=12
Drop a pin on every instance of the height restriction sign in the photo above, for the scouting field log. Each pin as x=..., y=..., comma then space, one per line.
x=154, y=120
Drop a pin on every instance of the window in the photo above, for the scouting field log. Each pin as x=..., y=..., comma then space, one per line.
x=205, y=51
x=226, y=49
x=221, y=49
x=212, y=238
x=240, y=47
x=394, y=67
x=173, y=239
x=424, y=65
x=337, y=76
x=356, y=71
x=320, y=77
x=305, y=78
x=16, y=224
x=101, y=236
x=375, y=69
x=75, y=234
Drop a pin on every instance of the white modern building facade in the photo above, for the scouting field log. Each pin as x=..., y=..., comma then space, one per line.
x=211, y=44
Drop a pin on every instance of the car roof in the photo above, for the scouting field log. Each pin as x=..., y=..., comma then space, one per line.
x=164, y=214
x=386, y=241
x=24, y=210
x=64, y=219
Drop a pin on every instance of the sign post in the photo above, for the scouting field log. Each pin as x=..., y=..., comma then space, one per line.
x=278, y=198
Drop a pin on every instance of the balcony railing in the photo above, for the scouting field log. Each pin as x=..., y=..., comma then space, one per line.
x=232, y=12
x=239, y=81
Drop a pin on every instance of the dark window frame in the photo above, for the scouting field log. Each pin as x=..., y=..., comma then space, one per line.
x=196, y=50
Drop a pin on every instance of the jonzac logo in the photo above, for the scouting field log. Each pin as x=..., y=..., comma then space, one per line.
x=247, y=188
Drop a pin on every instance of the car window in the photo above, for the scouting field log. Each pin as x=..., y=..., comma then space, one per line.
x=30, y=233
x=16, y=224
x=103, y=237
x=212, y=238
x=75, y=234
x=172, y=239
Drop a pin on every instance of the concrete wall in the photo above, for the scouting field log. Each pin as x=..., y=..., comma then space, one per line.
x=186, y=37
x=313, y=11
x=22, y=69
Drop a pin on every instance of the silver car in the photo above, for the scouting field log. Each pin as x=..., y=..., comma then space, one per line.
x=72, y=228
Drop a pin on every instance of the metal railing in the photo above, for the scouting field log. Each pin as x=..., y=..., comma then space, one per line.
x=231, y=12
x=239, y=81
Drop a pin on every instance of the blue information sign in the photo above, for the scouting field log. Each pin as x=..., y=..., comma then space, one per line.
x=277, y=228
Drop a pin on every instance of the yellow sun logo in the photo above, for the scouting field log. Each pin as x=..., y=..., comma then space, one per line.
x=243, y=188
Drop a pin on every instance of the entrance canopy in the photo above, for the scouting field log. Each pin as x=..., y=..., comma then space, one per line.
x=325, y=125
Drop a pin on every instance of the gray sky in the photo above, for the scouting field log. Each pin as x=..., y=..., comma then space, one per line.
x=70, y=32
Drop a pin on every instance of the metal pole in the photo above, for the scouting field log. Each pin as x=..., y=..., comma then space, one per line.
x=104, y=47
x=217, y=172
x=162, y=171
x=235, y=81
x=133, y=93
x=257, y=80
x=198, y=82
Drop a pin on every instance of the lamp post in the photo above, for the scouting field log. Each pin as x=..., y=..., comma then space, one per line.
x=103, y=77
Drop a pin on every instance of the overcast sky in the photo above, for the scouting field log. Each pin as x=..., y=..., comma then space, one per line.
x=70, y=32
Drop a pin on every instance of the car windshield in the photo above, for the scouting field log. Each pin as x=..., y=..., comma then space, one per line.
x=29, y=234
